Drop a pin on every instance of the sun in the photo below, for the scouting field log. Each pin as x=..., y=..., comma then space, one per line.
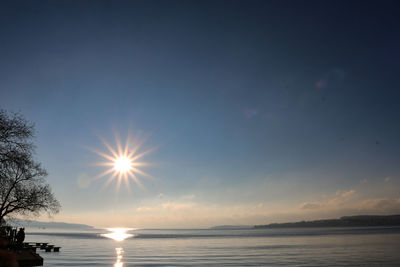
x=123, y=162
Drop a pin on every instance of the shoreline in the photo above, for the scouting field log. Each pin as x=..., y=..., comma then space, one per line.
x=14, y=256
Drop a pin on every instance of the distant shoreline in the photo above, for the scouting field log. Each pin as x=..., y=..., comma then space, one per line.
x=346, y=221
x=49, y=225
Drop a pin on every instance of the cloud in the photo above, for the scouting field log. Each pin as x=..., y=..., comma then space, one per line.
x=349, y=202
x=184, y=202
x=341, y=198
x=176, y=206
x=380, y=204
x=166, y=206
x=388, y=179
x=179, y=213
x=141, y=209
x=310, y=206
x=188, y=197
x=346, y=194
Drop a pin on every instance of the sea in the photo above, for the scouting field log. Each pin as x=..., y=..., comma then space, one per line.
x=350, y=246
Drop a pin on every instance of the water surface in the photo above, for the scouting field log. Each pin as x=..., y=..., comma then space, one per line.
x=373, y=246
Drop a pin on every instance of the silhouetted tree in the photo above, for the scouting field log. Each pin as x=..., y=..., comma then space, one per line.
x=23, y=189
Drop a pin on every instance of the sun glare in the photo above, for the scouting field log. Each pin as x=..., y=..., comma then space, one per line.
x=123, y=162
x=118, y=234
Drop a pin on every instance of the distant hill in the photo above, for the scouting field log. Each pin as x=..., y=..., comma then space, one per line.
x=51, y=225
x=231, y=227
x=346, y=221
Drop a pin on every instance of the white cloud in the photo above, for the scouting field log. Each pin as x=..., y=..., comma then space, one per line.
x=141, y=209
x=310, y=206
x=380, y=204
x=176, y=205
x=341, y=198
x=349, y=202
x=188, y=197
x=166, y=207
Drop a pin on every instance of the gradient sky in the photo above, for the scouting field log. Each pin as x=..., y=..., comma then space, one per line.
x=261, y=111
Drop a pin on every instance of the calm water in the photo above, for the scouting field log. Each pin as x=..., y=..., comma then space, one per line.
x=375, y=246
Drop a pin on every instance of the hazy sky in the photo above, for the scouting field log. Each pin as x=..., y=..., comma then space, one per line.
x=261, y=111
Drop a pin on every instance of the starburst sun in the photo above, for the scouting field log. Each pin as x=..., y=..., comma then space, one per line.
x=123, y=162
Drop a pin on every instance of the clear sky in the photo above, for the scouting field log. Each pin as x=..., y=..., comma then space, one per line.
x=260, y=111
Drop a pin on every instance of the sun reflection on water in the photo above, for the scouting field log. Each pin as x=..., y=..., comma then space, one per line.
x=118, y=234
x=119, y=262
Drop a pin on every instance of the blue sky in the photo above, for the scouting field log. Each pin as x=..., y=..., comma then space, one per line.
x=260, y=112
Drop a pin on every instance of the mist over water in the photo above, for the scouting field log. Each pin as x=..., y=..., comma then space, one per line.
x=267, y=247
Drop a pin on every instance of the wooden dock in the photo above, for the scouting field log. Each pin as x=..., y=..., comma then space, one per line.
x=43, y=246
x=27, y=256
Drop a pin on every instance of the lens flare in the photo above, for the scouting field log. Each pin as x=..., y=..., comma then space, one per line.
x=123, y=162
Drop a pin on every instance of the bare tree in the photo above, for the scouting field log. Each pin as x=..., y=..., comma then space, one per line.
x=23, y=189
